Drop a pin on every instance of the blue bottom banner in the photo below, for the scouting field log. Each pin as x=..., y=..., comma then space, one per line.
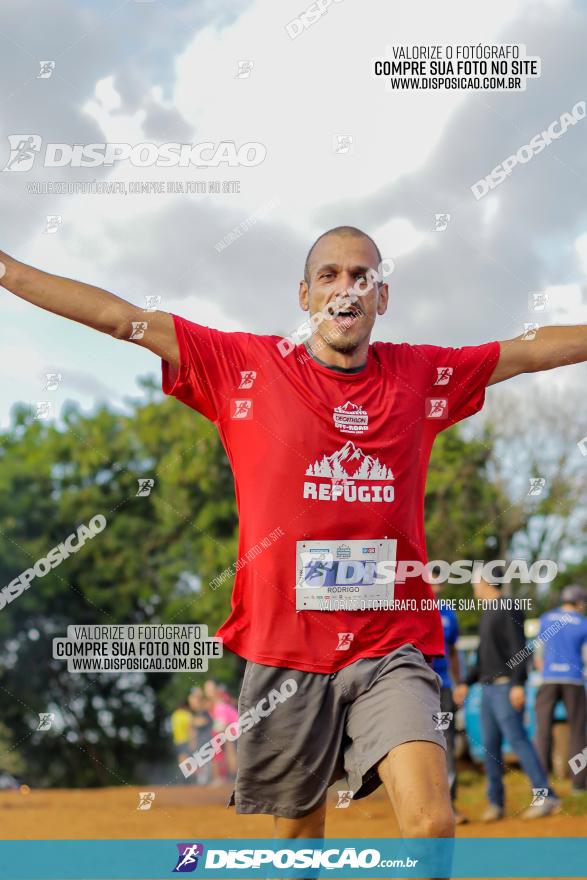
x=553, y=857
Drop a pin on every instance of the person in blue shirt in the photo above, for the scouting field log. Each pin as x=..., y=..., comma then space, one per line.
x=562, y=643
x=447, y=668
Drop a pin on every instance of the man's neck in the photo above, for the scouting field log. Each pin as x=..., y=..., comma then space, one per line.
x=334, y=367
x=340, y=361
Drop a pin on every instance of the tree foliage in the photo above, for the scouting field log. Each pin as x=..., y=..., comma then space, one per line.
x=152, y=563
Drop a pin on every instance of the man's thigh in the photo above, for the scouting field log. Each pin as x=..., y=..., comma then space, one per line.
x=308, y=827
x=415, y=778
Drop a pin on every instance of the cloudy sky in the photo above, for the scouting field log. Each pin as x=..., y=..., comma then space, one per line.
x=157, y=72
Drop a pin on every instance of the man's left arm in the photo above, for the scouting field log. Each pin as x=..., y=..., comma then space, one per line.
x=547, y=348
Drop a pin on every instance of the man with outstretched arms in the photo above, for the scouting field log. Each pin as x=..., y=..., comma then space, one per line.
x=329, y=443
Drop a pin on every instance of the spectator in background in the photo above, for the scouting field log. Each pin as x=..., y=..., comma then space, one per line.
x=501, y=636
x=227, y=713
x=230, y=699
x=560, y=659
x=181, y=720
x=223, y=713
x=447, y=668
x=201, y=732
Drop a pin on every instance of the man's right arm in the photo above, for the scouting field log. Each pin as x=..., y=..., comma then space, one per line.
x=91, y=306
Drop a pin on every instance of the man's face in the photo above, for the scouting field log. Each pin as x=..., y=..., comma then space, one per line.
x=339, y=264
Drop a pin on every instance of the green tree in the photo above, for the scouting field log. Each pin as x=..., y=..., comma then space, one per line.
x=460, y=505
x=152, y=563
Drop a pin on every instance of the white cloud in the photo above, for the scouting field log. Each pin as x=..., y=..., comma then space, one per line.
x=565, y=305
x=107, y=95
x=303, y=92
x=397, y=237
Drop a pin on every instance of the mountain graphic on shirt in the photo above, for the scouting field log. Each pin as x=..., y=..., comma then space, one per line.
x=350, y=463
x=349, y=407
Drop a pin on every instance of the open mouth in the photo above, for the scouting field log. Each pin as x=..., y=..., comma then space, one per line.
x=347, y=316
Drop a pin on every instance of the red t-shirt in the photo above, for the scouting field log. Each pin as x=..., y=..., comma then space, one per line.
x=292, y=429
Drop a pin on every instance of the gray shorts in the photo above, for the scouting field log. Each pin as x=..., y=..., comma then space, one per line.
x=332, y=726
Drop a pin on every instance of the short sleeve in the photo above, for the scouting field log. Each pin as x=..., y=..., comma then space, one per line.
x=210, y=367
x=455, y=380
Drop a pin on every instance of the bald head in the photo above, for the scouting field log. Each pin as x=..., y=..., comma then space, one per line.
x=342, y=231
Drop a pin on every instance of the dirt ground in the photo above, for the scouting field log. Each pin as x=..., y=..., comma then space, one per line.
x=185, y=811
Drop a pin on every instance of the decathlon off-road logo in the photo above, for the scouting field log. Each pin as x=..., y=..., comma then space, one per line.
x=350, y=475
x=25, y=148
x=350, y=418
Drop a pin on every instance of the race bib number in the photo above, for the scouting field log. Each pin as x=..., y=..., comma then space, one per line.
x=355, y=575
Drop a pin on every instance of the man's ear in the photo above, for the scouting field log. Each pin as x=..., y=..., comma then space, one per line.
x=383, y=299
x=304, y=296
